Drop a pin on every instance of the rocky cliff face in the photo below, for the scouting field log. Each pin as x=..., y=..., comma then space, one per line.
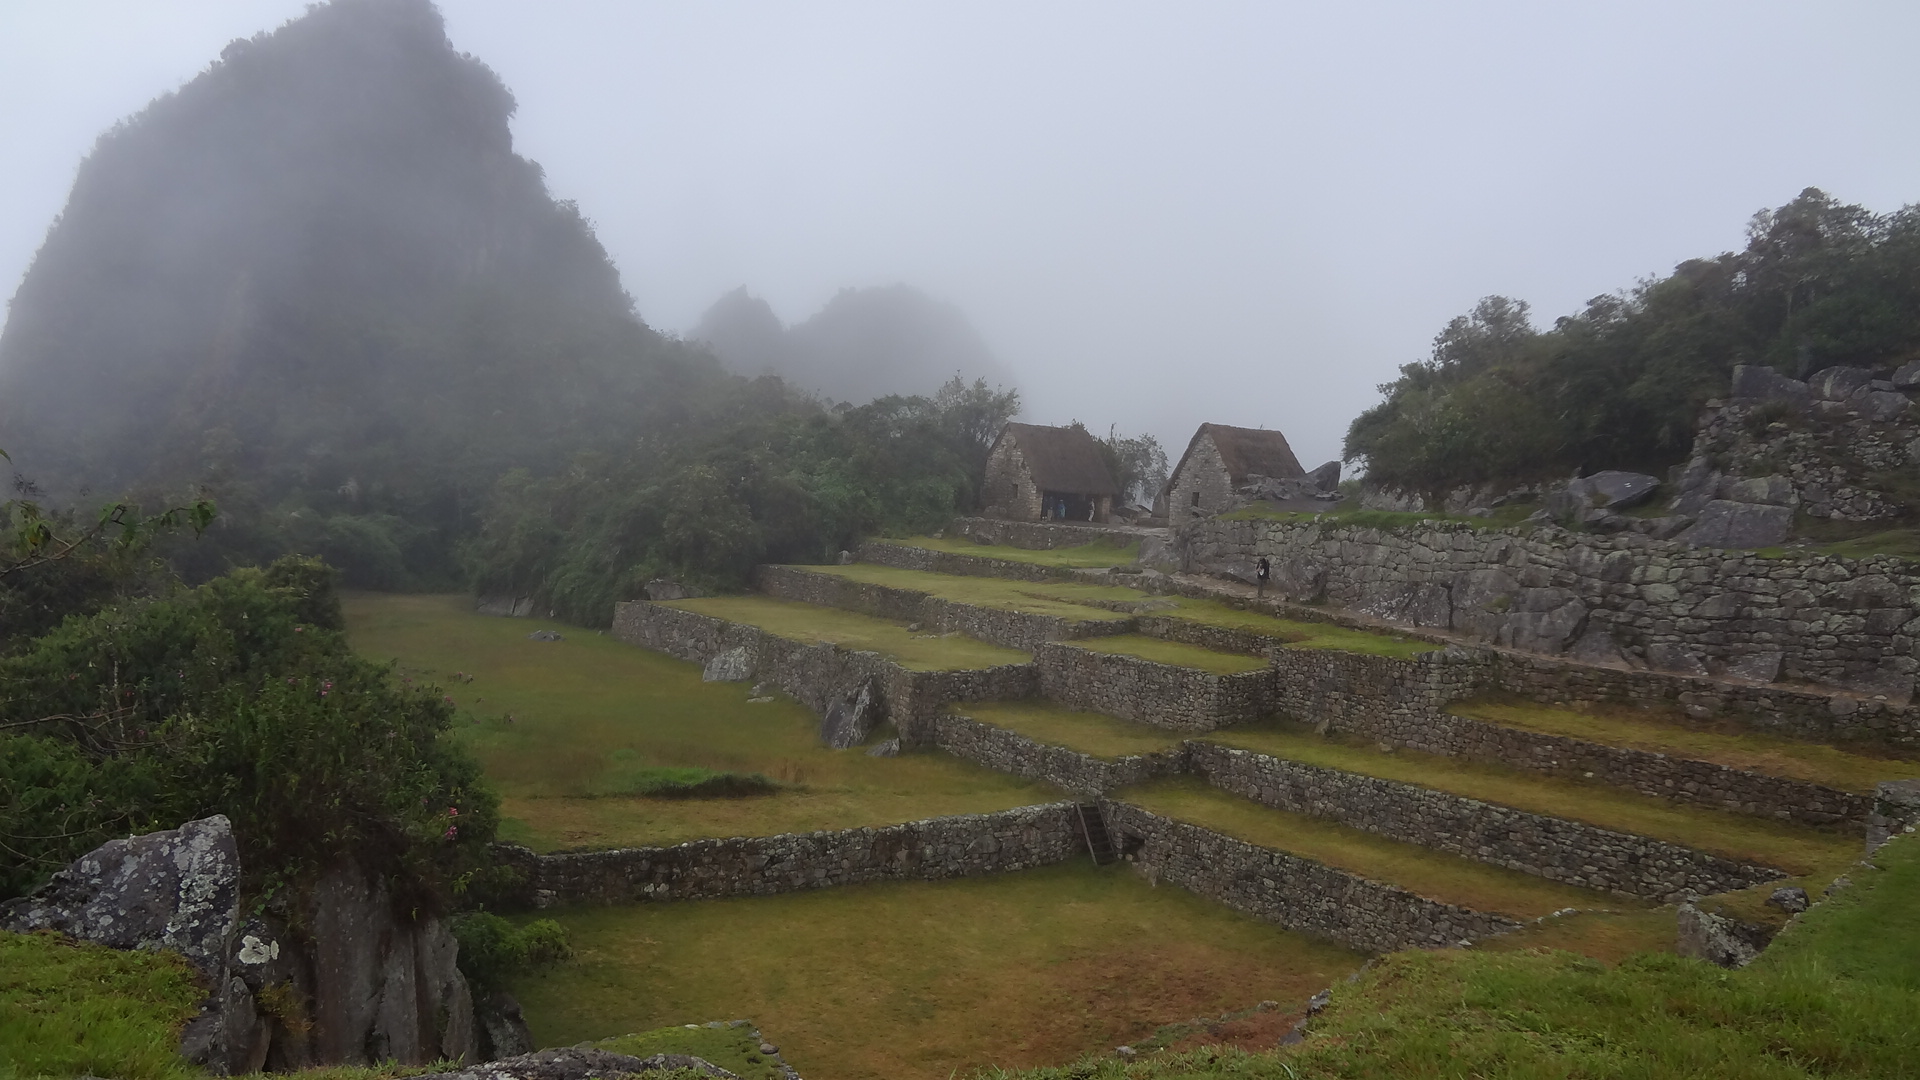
x=358, y=985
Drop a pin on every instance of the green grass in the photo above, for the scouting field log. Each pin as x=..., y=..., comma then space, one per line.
x=70, y=1009
x=1088, y=732
x=926, y=979
x=1296, y=633
x=1350, y=514
x=734, y=1049
x=1902, y=543
x=1837, y=996
x=1674, y=735
x=1795, y=849
x=1176, y=653
x=1099, y=553
x=592, y=717
x=1065, y=599
x=808, y=623
x=1432, y=874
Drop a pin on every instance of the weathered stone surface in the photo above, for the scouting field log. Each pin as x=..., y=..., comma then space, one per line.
x=1617, y=490
x=1326, y=477
x=664, y=589
x=1726, y=524
x=178, y=889
x=1765, y=384
x=1838, y=383
x=506, y=605
x=885, y=748
x=1719, y=940
x=1907, y=376
x=579, y=1063
x=1775, y=490
x=546, y=635
x=1896, y=808
x=732, y=665
x=854, y=717
x=1791, y=899
x=1759, y=665
x=502, y=1027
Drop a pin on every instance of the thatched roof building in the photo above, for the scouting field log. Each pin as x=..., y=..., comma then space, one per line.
x=1036, y=472
x=1221, y=458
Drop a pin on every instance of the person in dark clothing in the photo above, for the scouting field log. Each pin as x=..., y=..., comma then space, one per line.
x=1261, y=573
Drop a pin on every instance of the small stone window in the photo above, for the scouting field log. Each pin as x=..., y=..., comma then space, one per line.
x=1196, y=496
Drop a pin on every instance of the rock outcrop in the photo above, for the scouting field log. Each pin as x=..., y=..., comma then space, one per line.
x=363, y=985
x=1718, y=939
x=854, y=717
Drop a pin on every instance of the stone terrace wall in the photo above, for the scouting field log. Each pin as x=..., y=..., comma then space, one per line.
x=1037, y=535
x=1558, y=850
x=1694, y=611
x=928, y=850
x=1012, y=752
x=1132, y=688
x=1217, y=638
x=819, y=674
x=903, y=557
x=1012, y=629
x=1293, y=892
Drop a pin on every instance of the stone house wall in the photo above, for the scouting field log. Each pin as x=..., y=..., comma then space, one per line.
x=1201, y=486
x=1625, y=597
x=930, y=850
x=1011, y=629
x=1009, y=486
x=1552, y=848
x=817, y=675
x=1014, y=753
x=1292, y=892
x=1132, y=688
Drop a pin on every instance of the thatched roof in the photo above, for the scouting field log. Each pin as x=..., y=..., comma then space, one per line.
x=1247, y=451
x=1064, y=459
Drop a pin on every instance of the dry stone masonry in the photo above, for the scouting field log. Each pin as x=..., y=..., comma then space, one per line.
x=1132, y=688
x=1014, y=753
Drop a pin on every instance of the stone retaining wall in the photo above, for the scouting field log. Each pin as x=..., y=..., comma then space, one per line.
x=1011, y=629
x=1552, y=848
x=1290, y=891
x=1693, y=611
x=1011, y=752
x=930, y=850
x=1132, y=688
x=1216, y=638
x=1036, y=535
x=817, y=675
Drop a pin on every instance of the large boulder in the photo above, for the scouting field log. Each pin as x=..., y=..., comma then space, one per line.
x=178, y=889
x=1838, y=383
x=1907, y=376
x=1754, y=383
x=729, y=665
x=1727, y=524
x=663, y=589
x=1719, y=940
x=850, y=720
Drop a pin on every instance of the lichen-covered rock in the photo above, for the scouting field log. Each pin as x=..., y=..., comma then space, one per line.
x=732, y=665
x=1719, y=940
x=854, y=717
x=178, y=889
x=1727, y=524
x=503, y=1028
x=579, y=1063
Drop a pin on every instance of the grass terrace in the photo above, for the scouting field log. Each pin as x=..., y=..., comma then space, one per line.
x=1093, y=733
x=1066, y=599
x=1796, y=849
x=926, y=980
x=809, y=623
x=1676, y=735
x=1176, y=653
x=1432, y=874
x=1296, y=633
x=1094, y=555
x=575, y=733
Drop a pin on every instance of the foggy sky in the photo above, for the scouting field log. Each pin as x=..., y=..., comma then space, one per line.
x=1157, y=214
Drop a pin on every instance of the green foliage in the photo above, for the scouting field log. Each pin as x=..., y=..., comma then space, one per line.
x=72, y=1009
x=239, y=697
x=493, y=949
x=1620, y=384
x=761, y=475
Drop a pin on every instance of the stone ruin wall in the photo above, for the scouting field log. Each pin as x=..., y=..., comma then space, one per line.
x=1009, y=485
x=1205, y=474
x=818, y=675
x=901, y=557
x=1132, y=688
x=1552, y=848
x=1622, y=598
x=1292, y=892
x=1010, y=629
x=1034, y=535
x=1083, y=774
x=931, y=850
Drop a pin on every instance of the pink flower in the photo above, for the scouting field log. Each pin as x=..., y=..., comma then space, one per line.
x=453, y=831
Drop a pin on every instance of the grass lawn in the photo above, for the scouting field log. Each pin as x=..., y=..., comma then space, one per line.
x=1176, y=653
x=1673, y=735
x=70, y=1009
x=1795, y=849
x=1432, y=874
x=1295, y=633
x=926, y=979
x=1099, y=553
x=805, y=622
x=590, y=712
x=1092, y=733
x=1066, y=599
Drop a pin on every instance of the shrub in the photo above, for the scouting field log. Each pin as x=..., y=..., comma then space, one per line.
x=493, y=949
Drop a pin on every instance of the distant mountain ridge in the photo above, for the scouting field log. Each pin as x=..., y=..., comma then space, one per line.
x=320, y=268
x=864, y=343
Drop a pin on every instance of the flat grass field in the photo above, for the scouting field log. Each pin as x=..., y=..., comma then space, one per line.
x=806, y=622
x=926, y=980
x=1796, y=849
x=1076, y=729
x=1432, y=874
x=1751, y=751
x=590, y=714
x=1095, y=554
